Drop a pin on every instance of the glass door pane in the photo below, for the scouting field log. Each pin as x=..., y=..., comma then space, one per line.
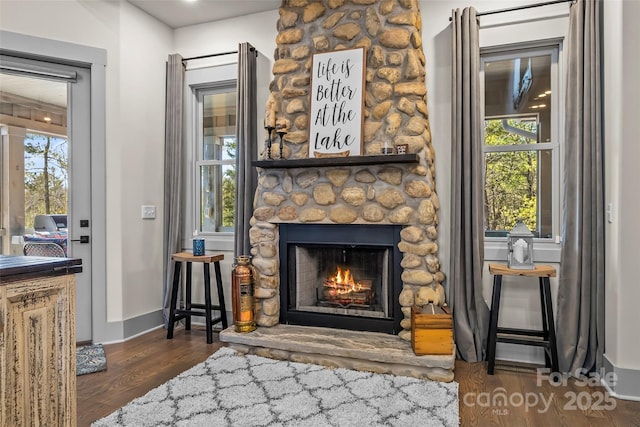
x=36, y=165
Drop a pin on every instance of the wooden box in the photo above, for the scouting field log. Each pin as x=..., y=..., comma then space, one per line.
x=431, y=330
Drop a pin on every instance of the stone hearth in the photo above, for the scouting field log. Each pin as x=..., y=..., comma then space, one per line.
x=364, y=351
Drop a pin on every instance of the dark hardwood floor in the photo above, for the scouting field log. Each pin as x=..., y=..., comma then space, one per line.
x=145, y=362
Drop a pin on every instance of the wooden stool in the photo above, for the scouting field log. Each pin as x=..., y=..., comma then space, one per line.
x=191, y=309
x=545, y=338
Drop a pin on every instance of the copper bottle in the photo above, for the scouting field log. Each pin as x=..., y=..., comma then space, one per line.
x=242, y=283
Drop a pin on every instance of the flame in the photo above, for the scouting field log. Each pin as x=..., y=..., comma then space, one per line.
x=343, y=281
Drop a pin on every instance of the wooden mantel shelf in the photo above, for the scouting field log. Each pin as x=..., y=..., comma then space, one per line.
x=336, y=161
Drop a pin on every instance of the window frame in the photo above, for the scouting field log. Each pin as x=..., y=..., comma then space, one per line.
x=545, y=249
x=197, y=80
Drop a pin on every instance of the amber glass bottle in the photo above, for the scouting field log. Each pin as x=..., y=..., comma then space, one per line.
x=242, y=282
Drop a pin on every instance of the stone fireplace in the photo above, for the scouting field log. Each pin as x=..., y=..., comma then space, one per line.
x=376, y=195
x=375, y=192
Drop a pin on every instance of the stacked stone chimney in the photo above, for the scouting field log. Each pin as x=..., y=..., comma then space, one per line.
x=395, y=112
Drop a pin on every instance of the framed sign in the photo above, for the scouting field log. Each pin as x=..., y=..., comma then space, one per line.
x=337, y=100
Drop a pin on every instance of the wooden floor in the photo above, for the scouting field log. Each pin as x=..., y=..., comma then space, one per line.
x=143, y=363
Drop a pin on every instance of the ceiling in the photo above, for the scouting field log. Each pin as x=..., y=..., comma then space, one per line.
x=35, y=89
x=182, y=13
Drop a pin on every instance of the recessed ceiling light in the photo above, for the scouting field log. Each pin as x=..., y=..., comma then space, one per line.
x=548, y=92
x=542, y=95
x=47, y=119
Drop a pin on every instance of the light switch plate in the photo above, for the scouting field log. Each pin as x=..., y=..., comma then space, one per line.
x=148, y=212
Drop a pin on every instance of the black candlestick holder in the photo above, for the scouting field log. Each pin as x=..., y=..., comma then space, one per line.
x=281, y=134
x=269, y=129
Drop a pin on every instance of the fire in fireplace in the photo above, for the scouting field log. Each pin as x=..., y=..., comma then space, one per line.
x=324, y=282
x=340, y=276
x=342, y=290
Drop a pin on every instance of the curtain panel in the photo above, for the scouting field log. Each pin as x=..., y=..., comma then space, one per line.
x=246, y=131
x=580, y=315
x=470, y=311
x=173, y=185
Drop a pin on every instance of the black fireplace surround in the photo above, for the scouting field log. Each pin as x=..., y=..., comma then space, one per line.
x=352, y=238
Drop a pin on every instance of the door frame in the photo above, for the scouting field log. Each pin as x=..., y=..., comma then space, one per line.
x=96, y=59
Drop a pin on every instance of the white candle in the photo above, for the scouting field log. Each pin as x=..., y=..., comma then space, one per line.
x=270, y=114
x=518, y=250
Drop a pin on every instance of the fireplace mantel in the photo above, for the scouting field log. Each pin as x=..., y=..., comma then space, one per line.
x=336, y=161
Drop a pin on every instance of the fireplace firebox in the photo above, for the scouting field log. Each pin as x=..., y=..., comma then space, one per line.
x=341, y=276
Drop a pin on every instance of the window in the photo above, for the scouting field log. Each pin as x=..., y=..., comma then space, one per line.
x=215, y=165
x=522, y=141
x=210, y=159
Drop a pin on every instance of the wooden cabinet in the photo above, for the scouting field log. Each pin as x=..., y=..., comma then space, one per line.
x=37, y=347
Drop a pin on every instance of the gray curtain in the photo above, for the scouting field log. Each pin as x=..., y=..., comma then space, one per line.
x=470, y=312
x=173, y=185
x=581, y=281
x=246, y=131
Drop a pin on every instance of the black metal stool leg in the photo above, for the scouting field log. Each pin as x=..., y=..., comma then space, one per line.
x=545, y=323
x=174, y=299
x=493, y=324
x=223, y=311
x=207, y=302
x=187, y=298
x=552, y=330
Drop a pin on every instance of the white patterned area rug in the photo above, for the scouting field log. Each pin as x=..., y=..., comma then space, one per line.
x=232, y=389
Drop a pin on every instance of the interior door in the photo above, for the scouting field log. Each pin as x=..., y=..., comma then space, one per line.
x=47, y=83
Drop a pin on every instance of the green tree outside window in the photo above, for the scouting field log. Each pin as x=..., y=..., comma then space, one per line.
x=511, y=183
x=45, y=177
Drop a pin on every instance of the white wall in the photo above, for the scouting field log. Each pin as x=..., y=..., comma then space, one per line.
x=144, y=46
x=629, y=232
x=223, y=36
x=622, y=103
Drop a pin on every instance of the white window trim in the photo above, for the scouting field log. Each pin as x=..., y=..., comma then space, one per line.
x=215, y=76
x=545, y=250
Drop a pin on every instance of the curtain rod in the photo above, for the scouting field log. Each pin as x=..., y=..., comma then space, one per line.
x=233, y=52
x=210, y=56
x=528, y=6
